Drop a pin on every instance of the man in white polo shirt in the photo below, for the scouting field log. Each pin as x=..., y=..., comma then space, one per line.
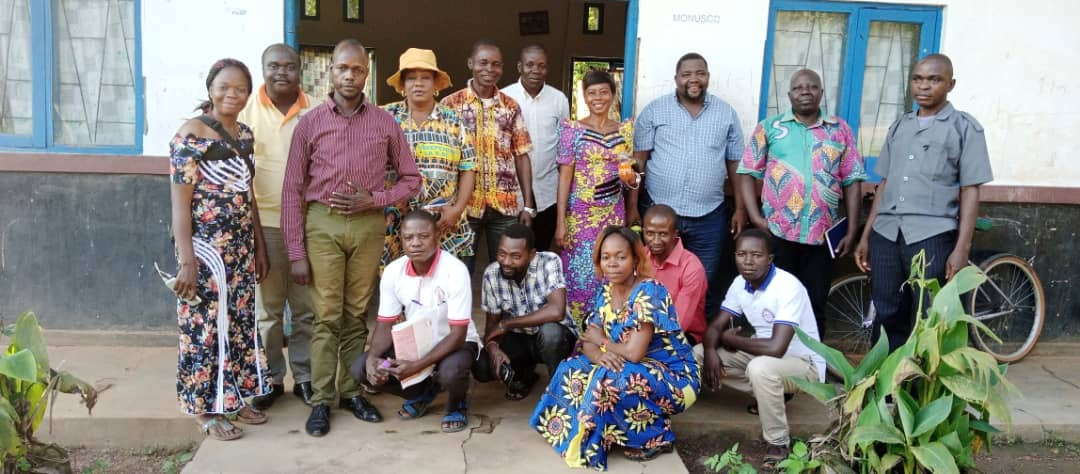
x=425, y=282
x=543, y=107
x=775, y=303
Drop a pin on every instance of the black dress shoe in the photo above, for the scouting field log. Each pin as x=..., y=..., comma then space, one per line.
x=303, y=390
x=361, y=409
x=318, y=424
x=264, y=401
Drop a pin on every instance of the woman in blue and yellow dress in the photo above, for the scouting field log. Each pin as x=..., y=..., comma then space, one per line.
x=635, y=369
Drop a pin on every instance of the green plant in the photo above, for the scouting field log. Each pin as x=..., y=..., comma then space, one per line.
x=176, y=462
x=798, y=460
x=99, y=465
x=27, y=384
x=926, y=405
x=729, y=461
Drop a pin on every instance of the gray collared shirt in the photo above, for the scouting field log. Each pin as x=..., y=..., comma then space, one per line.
x=924, y=170
x=688, y=163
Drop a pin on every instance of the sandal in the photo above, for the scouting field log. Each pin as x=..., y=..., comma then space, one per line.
x=456, y=420
x=774, y=454
x=224, y=431
x=753, y=408
x=249, y=416
x=519, y=389
x=645, y=455
x=417, y=407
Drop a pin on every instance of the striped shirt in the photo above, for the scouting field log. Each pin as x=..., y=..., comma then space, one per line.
x=330, y=150
x=688, y=163
x=502, y=296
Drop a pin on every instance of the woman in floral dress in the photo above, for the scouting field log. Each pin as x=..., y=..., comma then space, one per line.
x=636, y=368
x=220, y=253
x=590, y=192
x=443, y=151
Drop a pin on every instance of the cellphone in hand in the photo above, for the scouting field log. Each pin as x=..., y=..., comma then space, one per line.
x=506, y=373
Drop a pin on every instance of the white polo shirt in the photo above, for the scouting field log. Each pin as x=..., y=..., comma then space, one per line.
x=781, y=299
x=542, y=115
x=445, y=286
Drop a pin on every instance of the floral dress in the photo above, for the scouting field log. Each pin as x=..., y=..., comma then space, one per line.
x=221, y=359
x=596, y=201
x=587, y=408
x=442, y=151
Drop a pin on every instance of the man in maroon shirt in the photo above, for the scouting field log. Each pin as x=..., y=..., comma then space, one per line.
x=332, y=220
x=677, y=269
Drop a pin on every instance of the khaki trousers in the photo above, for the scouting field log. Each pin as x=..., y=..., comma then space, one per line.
x=270, y=298
x=344, y=254
x=766, y=378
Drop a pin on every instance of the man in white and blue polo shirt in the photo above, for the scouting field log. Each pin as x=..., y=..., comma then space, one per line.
x=688, y=144
x=775, y=303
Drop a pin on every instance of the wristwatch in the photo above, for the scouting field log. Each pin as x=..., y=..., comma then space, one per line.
x=531, y=211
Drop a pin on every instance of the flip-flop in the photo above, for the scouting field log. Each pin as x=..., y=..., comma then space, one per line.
x=644, y=455
x=228, y=431
x=249, y=416
x=416, y=407
x=774, y=454
x=456, y=420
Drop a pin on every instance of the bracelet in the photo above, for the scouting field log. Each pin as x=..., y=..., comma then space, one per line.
x=603, y=348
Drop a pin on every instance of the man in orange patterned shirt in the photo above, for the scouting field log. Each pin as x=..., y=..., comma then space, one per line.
x=502, y=143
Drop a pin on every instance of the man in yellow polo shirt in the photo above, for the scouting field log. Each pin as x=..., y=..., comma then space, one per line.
x=272, y=114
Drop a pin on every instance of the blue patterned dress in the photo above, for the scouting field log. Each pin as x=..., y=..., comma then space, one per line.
x=587, y=408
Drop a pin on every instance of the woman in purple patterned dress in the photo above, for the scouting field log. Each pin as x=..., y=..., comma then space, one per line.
x=591, y=196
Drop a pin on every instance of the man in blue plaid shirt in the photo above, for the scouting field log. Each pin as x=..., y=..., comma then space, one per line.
x=524, y=296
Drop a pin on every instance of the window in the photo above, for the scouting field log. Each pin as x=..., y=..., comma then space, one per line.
x=864, y=54
x=315, y=72
x=594, y=19
x=71, y=81
x=310, y=10
x=354, y=11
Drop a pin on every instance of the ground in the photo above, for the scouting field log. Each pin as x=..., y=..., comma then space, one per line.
x=128, y=461
x=1006, y=458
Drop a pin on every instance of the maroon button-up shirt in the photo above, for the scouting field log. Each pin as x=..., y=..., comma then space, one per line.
x=330, y=150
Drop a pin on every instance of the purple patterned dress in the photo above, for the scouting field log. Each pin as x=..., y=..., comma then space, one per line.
x=596, y=201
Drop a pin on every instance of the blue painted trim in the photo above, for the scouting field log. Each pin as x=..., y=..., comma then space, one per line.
x=44, y=67
x=630, y=59
x=292, y=21
x=766, y=64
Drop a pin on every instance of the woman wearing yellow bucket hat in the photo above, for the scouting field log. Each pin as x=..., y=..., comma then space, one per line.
x=444, y=153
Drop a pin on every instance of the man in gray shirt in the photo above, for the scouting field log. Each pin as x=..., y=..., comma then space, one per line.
x=932, y=164
x=688, y=144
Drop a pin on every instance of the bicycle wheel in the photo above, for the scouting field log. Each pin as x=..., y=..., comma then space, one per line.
x=850, y=314
x=1012, y=304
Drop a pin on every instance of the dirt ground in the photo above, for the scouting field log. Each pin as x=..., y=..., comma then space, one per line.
x=1005, y=458
x=126, y=461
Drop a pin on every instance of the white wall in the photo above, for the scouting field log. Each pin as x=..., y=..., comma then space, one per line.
x=1016, y=67
x=181, y=39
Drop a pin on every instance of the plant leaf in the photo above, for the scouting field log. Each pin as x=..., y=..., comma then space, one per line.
x=870, y=434
x=854, y=400
x=10, y=442
x=871, y=362
x=936, y=458
x=28, y=336
x=889, y=461
x=932, y=414
x=998, y=409
x=888, y=368
x=928, y=346
x=966, y=388
x=947, y=301
x=952, y=441
x=821, y=391
x=979, y=425
x=20, y=366
x=905, y=406
x=833, y=358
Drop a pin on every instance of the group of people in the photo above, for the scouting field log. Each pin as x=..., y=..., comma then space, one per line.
x=284, y=200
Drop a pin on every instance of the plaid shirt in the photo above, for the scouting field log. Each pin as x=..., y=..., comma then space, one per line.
x=498, y=133
x=502, y=296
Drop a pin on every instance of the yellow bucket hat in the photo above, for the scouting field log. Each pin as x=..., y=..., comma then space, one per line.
x=414, y=58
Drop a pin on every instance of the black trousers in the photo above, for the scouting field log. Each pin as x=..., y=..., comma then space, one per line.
x=549, y=346
x=543, y=226
x=451, y=374
x=813, y=266
x=890, y=263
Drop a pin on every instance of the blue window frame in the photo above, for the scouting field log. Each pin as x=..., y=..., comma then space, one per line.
x=864, y=52
x=85, y=77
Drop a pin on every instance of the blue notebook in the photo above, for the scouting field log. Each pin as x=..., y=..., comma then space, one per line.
x=835, y=234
